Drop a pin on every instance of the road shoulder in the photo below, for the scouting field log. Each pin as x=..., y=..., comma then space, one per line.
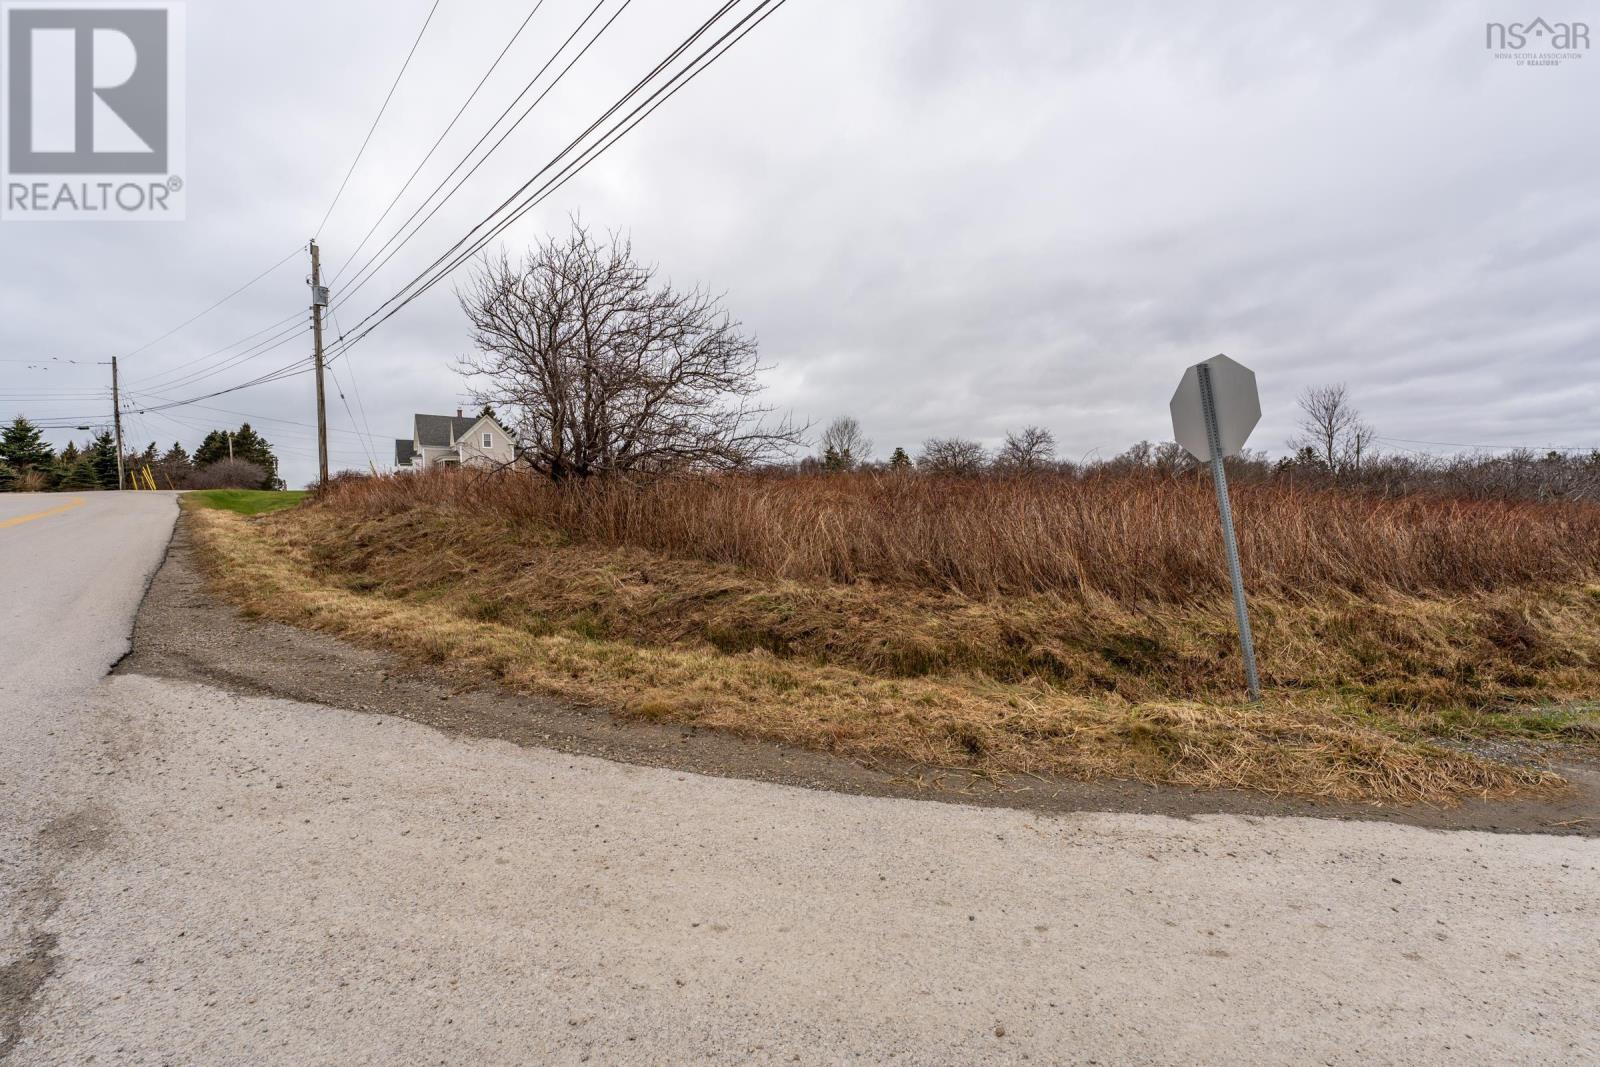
x=183, y=632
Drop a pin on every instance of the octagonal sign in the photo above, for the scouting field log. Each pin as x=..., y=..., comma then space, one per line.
x=1238, y=407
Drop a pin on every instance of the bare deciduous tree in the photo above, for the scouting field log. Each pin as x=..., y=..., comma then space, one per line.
x=951, y=455
x=599, y=368
x=1166, y=458
x=844, y=445
x=1033, y=449
x=229, y=474
x=1332, y=428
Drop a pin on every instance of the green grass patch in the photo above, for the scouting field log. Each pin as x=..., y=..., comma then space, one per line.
x=246, y=501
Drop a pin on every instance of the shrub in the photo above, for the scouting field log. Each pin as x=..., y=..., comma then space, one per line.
x=229, y=474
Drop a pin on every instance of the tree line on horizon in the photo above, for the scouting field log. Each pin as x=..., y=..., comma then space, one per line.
x=29, y=463
x=603, y=369
x=1334, y=447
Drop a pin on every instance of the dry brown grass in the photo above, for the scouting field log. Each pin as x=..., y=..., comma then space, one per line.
x=542, y=590
x=1137, y=539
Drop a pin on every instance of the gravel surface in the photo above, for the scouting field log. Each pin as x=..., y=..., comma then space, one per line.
x=217, y=877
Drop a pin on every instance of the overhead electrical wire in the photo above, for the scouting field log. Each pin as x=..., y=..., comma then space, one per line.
x=303, y=365
x=365, y=444
x=356, y=385
x=161, y=379
x=454, y=257
x=249, y=417
x=621, y=128
x=1502, y=447
x=260, y=348
x=450, y=126
x=196, y=318
x=278, y=339
x=374, y=127
x=374, y=264
x=478, y=236
x=55, y=359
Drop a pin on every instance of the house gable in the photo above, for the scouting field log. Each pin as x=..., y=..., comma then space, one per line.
x=474, y=432
x=446, y=439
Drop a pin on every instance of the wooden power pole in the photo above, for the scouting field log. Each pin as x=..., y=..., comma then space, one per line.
x=116, y=420
x=319, y=300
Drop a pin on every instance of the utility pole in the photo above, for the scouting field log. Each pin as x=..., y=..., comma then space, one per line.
x=116, y=419
x=230, y=445
x=319, y=300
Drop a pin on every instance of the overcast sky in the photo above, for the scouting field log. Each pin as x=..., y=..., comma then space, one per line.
x=943, y=218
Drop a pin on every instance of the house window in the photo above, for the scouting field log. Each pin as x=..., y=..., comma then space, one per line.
x=488, y=441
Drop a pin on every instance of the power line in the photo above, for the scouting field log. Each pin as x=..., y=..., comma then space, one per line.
x=249, y=417
x=356, y=385
x=369, y=266
x=55, y=359
x=571, y=169
x=299, y=451
x=365, y=444
x=671, y=56
x=453, y=258
x=374, y=127
x=1460, y=444
x=452, y=125
x=213, y=307
x=291, y=370
x=180, y=377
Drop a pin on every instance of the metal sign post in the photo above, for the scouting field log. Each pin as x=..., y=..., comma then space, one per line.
x=1213, y=411
x=1219, y=478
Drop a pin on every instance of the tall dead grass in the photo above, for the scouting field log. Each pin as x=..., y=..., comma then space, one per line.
x=1138, y=539
x=485, y=605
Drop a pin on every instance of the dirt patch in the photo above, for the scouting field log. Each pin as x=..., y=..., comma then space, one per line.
x=184, y=632
x=59, y=842
x=20, y=982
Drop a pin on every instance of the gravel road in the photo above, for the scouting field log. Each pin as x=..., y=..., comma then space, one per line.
x=195, y=876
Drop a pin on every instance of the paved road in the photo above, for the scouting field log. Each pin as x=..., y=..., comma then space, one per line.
x=190, y=876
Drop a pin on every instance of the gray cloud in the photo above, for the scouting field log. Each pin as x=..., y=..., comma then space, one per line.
x=942, y=218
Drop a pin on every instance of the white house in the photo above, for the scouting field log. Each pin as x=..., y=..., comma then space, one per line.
x=461, y=441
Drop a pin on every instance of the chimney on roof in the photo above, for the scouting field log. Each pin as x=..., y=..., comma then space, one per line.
x=458, y=413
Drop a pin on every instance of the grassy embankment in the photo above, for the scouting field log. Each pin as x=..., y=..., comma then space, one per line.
x=248, y=501
x=1050, y=625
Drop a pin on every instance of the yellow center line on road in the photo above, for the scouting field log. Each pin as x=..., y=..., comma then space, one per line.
x=75, y=502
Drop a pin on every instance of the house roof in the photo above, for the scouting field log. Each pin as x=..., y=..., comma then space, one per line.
x=442, y=431
x=404, y=452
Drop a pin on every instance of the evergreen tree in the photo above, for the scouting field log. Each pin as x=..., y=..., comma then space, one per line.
x=82, y=477
x=247, y=445
x=102, y=459
x=899, y=461
x=212, y=449
x=253, y=448
x=8, y=477
x=172, y=470
x=65, y=461
x=24, y=448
